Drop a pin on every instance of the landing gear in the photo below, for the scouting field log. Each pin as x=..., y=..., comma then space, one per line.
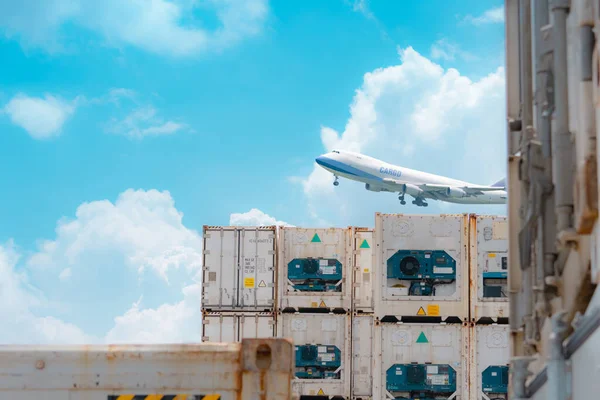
x=336, y=183
x=419, y=202
x=401, y=198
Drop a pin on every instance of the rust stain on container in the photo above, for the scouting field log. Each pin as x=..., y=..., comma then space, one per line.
x=472, y=258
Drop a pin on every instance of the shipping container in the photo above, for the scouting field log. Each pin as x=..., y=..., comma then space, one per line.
x=239, y=268
x=235, y=326
x=362, y=256
x=489, y=267
x=552, y=98
x=323, y=352
x=422, y=266
x=428, y=360
x=489, y=361
x=315, y=269
x=363, y=342
x=252, y=369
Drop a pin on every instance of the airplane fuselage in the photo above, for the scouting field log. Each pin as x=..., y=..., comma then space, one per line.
x=378, y=176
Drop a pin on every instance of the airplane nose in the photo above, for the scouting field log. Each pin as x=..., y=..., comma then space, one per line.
x=320, y=160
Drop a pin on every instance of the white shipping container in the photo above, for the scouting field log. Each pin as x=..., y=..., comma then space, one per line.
x=490, y=348
x=419, y=248
x=322, y=332
x=489, y=267
x=234, y=326
x=363, y=330
x=362, y=256
x=435, y=354
x=239, y=268
x=309, y=275
x=252, y=369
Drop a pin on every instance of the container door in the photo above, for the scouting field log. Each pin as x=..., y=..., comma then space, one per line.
x=220, y=269
x=363, y=284
x=362, y=356
x=257, y=326
x=220, y=328
x=257, y=262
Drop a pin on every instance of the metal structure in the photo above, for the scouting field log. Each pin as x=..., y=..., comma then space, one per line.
x=251, y=369
x=552, y=87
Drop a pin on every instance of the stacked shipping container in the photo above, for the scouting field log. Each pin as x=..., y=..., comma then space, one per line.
x=414, y=307
x=489, y=307
x=239, y=282
x=315, y=296
x=421, y=305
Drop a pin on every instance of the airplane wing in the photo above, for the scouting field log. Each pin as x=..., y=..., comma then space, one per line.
x=468, y=189
x=437, y=190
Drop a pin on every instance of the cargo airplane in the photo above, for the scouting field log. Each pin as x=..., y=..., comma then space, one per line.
x=379, y=176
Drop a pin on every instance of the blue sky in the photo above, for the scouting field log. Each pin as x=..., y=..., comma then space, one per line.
x=126, y=126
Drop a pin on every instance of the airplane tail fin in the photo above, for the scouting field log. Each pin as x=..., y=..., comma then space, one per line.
x=500, y=183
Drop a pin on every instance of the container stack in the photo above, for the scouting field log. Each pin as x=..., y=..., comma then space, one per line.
x=418, y=322
x=314, y=305
x=239, y=281
x=489, y=307
x=414, y=308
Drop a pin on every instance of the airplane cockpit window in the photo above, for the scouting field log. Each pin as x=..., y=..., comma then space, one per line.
x=335, y=151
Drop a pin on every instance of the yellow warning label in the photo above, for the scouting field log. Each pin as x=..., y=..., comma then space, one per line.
x=322, y=304
x=433, y=310
x=320, y=392
x=262, y=284
x=249, y=282
x=366, y=269
x=492, y=255
x=314, y=304
x=421, y=311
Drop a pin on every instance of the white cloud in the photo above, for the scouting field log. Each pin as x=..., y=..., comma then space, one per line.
x=166, y=27
x=65, y=274
x=179, y=322
x=143, y=122
x=446, y=50
x=42, y=118
x=18, y=298
x=363, y=7
x=254, y=217
x=91, y=270
x=491, y=16
x=142, y=228
x=418, y=115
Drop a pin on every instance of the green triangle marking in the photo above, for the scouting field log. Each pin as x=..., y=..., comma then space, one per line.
x=316, y=239
x=422, y=338
x=365, y=245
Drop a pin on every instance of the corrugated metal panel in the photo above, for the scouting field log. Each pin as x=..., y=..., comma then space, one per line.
x=239, y=268
x=220, y=328
x=252, y=369
x=362, y=355
x=257, y=325
x=407, y=343
x=362, y=239
x=235, y=326
x=489, y=261
x=301, y=243
x=320, y=329
x=449, y=233
x=489, y=348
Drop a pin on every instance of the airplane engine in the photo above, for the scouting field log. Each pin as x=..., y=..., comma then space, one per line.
x=455, y=192
x=411, y=190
